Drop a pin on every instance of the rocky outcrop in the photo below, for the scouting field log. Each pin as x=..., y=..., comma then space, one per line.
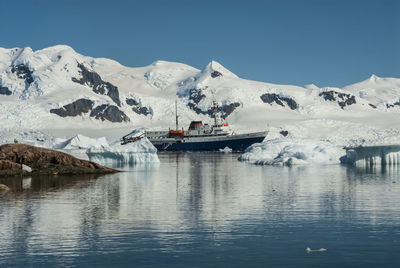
x=44, y=161
x=102, y=112
x=284, y=133
x=93, y=80
x=342, y=99
x=226, y=110
x=9, y=168
x=76, y=108
x=196, y=95
x=215, y=74
x=23, y=72
x=280, y=100
x=5, y=91
x=397, y=103
x=138, y=108
x=110, y=113
x=4, y=188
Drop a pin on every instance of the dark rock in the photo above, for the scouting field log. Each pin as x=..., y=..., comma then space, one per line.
x=99, y=86
x=23, y=72
x=131, y=102
x=110, y=113
x=284, y=133
x=397, y=103
x=141, y=110
x=342, y=99
x=5, y=91
x=196, y=95
x=45, y=161
x=290, y=102
x=228, y=109
x=76, y=108
x=272, y=97
x=215, y=74
x=138, y=108
x=373, y=106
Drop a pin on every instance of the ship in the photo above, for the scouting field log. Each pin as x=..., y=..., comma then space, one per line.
x=198, y=137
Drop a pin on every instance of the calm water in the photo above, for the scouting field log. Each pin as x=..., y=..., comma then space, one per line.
x=204, y=210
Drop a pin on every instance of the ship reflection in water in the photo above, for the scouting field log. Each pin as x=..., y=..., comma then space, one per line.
x=204, y=210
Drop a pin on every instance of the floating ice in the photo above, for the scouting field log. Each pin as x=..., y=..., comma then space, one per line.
x=141, y=151
x=81, y=142
x=226, y=150
x=26, y=168
x=293, y=152
x=100, y=151
x=309, y=250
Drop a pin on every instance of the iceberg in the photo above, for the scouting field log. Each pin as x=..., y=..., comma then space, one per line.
x=293, y=152
x=100, y=151
x=141, y=151
x=80, y=142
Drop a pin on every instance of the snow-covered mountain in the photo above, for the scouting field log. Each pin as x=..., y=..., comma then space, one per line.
x=59, y=91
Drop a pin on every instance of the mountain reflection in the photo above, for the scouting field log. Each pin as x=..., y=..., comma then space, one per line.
x=186, y=193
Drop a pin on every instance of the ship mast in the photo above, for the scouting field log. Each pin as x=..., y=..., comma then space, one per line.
x=215, y=110
x=176, y=114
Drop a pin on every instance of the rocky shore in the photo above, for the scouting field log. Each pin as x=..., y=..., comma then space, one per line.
x=21, y=159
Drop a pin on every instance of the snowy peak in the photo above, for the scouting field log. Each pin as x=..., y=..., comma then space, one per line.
x=373, y=78
x=215, y=69
x=377, y=90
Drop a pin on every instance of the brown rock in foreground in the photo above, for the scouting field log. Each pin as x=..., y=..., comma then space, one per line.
x=44, y=161
x=4, y=188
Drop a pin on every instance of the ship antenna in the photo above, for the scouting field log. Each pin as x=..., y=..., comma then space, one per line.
x=176, y=114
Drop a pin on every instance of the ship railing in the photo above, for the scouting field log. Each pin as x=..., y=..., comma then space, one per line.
x=128, y=139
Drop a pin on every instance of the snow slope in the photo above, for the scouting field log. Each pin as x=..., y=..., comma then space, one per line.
x=57, y=92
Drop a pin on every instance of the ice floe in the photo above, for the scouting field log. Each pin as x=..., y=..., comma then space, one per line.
x=293, y=152
x=141, y=151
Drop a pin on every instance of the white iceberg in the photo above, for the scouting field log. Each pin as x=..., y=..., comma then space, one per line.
x=293, y=152
x=81, y=142
x=100, y=151
x=309, y=250
x=141, y=151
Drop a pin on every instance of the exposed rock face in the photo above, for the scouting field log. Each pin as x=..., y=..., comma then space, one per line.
x=5, y=91
x=196, y=95
x=110, y=113
x=138, y=108
x=215, y=74
x=397, y=103
x=4, y=188
x=284, y=133
x=76, y=108
x=99, y=86
x=132, y=102
x=228, y=109
x=6, y=164
x=23, y=72
x=342, y=99
x=102, y=112
x=272, y=97
x=44, y=161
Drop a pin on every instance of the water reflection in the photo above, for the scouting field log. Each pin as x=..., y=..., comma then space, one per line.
x=194, y=203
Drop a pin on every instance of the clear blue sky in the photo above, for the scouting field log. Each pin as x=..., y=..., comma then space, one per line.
x=329, y=43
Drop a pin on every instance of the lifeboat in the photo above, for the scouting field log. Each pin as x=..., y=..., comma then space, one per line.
x=176, y=133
